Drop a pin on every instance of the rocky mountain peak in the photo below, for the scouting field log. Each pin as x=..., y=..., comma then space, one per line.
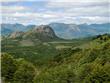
x=45, y=30
x=16, y=34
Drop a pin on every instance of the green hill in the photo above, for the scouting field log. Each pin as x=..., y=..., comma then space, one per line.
x=42, y=33
x=74, y=61
x=76, y=65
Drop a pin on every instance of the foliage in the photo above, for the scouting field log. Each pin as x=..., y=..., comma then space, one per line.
x=89, y=65
x=25, y=73
x=88, y=62
x=8, y=66
x=16, y=70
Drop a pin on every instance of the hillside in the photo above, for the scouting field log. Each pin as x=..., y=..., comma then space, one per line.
x=7, y=29
x=69, y=31
x=80, y=65
x=87, y=61
x=62, y=30
x=33, y=45
x=42, y=32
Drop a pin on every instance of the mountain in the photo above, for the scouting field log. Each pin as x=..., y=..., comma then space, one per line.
x=16, y=34
x=45, y=30
x=62, y=30
x=42, y=32
x=95, y=29
x=69, y=31
x=6, y=29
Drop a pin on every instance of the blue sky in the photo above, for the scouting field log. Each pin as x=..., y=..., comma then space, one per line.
x=48, y=11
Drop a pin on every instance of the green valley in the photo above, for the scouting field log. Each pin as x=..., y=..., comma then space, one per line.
x=71, y=61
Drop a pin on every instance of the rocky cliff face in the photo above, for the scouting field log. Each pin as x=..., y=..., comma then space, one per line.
x=42, y=32
x=7, y=29
x=16, y=34
x=62, y=30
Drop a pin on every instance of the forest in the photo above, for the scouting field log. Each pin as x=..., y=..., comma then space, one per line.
x=84, y=60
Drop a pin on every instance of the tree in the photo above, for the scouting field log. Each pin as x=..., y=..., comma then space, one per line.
x=8, y=67
x=25, y=73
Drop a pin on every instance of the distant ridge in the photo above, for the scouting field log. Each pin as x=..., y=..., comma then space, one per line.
x=62, y=30
x=42, y=32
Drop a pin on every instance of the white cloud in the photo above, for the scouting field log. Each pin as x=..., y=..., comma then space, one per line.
x=31, y=15
x=8, y=9
x=55, y=0
x=76, y=3
x=82, y=11
x=44, y=18
x=95, y=19
x=15, y=0
x=79, y=1
x=89, y=11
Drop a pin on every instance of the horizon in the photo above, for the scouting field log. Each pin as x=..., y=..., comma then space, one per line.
x=55, y=22
x=60, y=11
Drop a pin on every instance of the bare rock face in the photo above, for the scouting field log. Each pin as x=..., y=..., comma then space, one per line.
x=42, y=33
x=45, y=30
x=16, y=34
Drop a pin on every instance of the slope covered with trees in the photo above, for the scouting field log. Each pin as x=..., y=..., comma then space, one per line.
x=86, y=65
x=88, y=62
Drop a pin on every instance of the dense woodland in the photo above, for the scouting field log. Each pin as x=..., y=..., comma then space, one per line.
x=75, y=61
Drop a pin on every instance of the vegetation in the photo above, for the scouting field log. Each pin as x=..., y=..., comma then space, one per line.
x=88, y=62
x=24, y=73
x=16, y=70
x=8, y=67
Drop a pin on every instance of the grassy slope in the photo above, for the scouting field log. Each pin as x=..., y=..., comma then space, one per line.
x=86, y=61
x=36, y=51
x=90, y=64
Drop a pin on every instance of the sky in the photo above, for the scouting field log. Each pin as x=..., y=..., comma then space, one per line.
x=50, y=11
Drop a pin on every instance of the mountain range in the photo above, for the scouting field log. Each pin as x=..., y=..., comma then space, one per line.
x=39, y=33
x=6, y=29
x=81, y=30
x=62, y=30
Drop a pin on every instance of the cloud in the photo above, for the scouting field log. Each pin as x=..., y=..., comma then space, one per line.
x=78, y=1
x=81, y=7
x=67, y=11
x=15, y=0
x=55, y=0
x=96, y=19
x=83, y=11
x=45, y=18
x=13, y=9
x=32, y=15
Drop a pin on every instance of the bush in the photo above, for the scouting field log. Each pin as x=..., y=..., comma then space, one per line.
x=25, y=73
x=8, y=67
